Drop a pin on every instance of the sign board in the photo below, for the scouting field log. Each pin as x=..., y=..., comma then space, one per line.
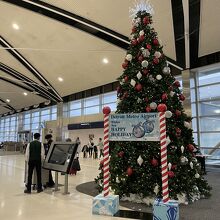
x=134, y=127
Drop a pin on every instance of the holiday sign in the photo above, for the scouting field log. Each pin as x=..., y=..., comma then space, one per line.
x=134, y=127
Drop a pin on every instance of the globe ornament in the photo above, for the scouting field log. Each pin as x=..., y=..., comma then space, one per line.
x=166, y=70
x=128, y=57
x=158, y=77
x=138, y=131
x=148, y=126
x=144, y=63
x=168, y=114
x=153, y=105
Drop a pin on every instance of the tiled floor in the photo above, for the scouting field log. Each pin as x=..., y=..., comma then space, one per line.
x=49, y=205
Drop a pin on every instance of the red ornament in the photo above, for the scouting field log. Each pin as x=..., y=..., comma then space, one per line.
x=154, y=162
x=171, y=174
x=129, y=171
x=134, y=42
x=156, y=60
x=134, y=29
x=178, y=112
x=140, y=58
x=155, y=42
x=161, y=108
x=121, y=154
x=146, y=20
x=125, y=65
x=174, y=166
x=176, y=83
x=138, y=87
x=106, y=110
x=148, y=46
x=148, y=109
x=181, y=97
x=164, y=97
x=141, y=38
x=145, y=71
x=190, y=147
x=126, y=78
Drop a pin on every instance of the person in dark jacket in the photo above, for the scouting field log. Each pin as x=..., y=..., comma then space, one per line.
x=49, y=140
x=34, y=156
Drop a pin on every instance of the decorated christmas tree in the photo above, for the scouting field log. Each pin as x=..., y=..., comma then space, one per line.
x=147, y=85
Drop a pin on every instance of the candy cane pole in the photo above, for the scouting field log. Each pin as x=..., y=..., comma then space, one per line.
x=106, y=111
x=163, y=151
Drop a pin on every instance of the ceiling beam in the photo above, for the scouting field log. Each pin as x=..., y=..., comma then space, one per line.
x=29, y=66
x=7, y=105
x=80, y=23
x=178, y=26
x=41, y=90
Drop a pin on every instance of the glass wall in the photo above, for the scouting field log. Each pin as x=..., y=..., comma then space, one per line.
x=92, y=105
x=33, y=120
x=208, y=104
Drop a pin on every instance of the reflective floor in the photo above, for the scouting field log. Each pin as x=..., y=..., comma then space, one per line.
x=49, y=205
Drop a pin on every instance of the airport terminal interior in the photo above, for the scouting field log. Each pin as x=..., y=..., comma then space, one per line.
x=64, y=65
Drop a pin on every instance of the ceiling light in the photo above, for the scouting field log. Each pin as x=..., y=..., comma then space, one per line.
x=8, y=100
x=60, y=79
x=217, y=111
x=25, y=94
x=105, y=60
x=15, y=26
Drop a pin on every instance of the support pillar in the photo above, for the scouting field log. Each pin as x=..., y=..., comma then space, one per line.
x=59, y=130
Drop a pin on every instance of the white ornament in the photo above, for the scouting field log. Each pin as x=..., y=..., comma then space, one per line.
x=191, y=164
x=172, y=93
x=153, y=105
x=187, y=124
x=181, y=198
x=182, y=149
x=117, y=180
x=140, y=160
x=156, y=189
x=157, y=54
x=146, y=53
x=144, y=63
x=186, y=159
x=128, y=57
x=168, y=140
x=183, y=159
x=151, y=78
x=133, y=83
x=118, y=101
x=158, y=77
x=168, y=114
x=139, y=75
x=141, y=32
x=121, y=82
x=169, y=166
x=132, y=36
x=166, y=70
x=139, y=100
x=197, y=175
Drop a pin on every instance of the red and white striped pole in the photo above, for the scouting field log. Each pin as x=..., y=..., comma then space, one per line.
x=106, y=111
x=163, y=152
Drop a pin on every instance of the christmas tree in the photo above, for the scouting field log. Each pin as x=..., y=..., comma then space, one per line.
x=145, y=84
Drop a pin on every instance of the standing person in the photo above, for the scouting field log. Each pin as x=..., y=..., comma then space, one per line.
x=49, y=140
x=90, y=145
x=101, y=147
x=34, y=156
